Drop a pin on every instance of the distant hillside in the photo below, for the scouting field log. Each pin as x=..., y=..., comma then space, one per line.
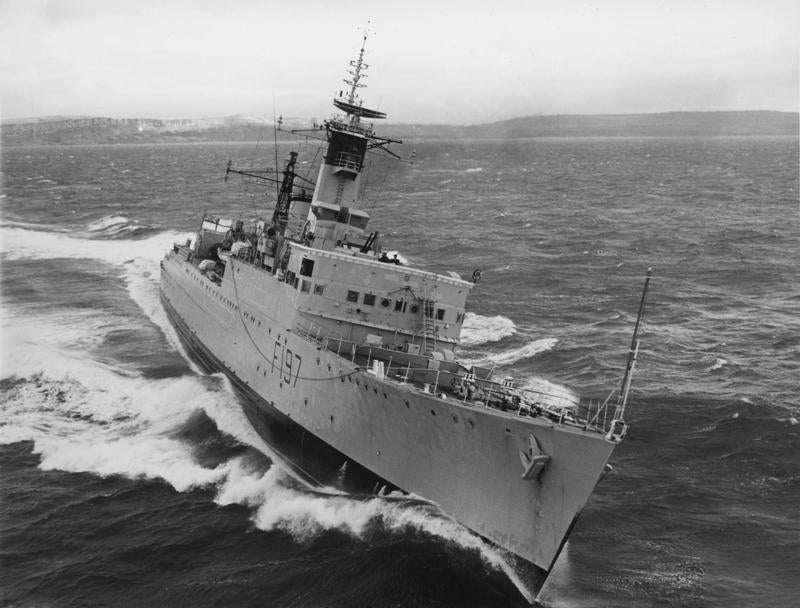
x=93, y=130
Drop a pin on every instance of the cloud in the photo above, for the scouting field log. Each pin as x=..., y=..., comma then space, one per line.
x=452, y=61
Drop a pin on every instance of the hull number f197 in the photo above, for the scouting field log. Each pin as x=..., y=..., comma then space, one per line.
x=286, y=364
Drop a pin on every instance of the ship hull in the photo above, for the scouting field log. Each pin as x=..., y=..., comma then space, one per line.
x=309, y=458
x=467, y=459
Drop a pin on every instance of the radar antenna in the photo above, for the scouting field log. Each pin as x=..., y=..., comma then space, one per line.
x=351, y=104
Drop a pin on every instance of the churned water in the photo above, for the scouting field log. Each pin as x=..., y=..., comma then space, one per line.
x=130, y=478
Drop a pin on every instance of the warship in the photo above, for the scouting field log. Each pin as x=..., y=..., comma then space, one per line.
x=345, y=359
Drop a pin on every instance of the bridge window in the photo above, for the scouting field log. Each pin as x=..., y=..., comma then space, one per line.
x=440, y=314
x=306, y=267
x=369, y=299
x=324, y=214
x=352, y=296
x=357, y=221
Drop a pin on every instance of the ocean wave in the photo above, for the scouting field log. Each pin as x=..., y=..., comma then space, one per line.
x=719, y=363
x=107, y=424
x=139, y=261
x=20, y=243
x=82, y=416
x=526, y=351
x=114, y=226
x=478, y=329
x=551, y=392
x=305, y=514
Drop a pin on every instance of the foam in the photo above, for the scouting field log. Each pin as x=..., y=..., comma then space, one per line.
x=110, y=224
x=556, y=394
x=525, y=351
x=307, y=514
x=87, y=416
x=719, y=363
x=21, y=243
x=478, y=329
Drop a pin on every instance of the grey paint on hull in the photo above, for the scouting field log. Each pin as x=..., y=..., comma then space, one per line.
x=464, y=458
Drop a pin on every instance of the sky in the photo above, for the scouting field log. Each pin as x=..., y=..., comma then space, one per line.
x=434, y=61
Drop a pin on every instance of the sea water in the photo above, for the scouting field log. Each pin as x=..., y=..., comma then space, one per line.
x=129, y=477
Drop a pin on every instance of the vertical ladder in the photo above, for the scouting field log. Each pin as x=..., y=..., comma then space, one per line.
x=339, y=192
x=428, y=325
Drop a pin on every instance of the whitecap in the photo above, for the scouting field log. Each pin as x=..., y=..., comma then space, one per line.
x=107, y=222
x=550, y=392
x=478, y=329
x=719, y=363
x=306, y=514
x=526, y=351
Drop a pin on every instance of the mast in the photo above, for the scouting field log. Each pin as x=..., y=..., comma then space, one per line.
x=633, y=352
x=280, y=216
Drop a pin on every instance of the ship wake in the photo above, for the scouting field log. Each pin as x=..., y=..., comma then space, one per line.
x=83, y=411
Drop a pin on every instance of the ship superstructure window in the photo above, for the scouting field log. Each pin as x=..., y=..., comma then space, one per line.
x=358, y=221
x=369, y=299
x=306, y=267
x=400, y=306
x=324, y=213
x=352, y=296
x=305, y=286
x=319, y=289
x=440, y=314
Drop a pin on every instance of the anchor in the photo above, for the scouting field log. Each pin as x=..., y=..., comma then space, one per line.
x=534, y=460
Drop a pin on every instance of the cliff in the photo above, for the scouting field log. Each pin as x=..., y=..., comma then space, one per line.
x=99, y=130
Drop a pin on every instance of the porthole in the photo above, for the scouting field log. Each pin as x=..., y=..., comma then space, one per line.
x=385, y=302
x=433, y=413
x=455, y=418
x=414, y=309
x=471, y=423
x=406, y=402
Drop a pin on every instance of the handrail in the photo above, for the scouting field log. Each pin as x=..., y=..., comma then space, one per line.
x=348, y=161
x=498, y=395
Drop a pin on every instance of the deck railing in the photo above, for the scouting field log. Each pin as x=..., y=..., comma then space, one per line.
x=447, y=383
